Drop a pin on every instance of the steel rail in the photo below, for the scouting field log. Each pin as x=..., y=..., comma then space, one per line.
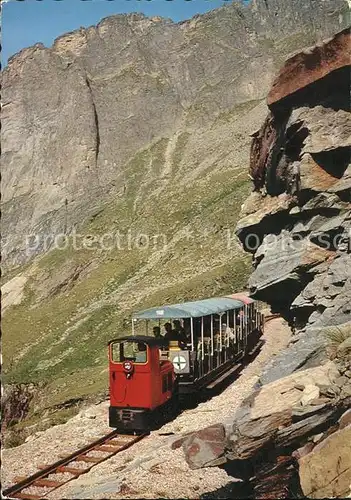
x=269, y=317
x=108, y=444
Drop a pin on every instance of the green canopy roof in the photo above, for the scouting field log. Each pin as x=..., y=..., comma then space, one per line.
x=190, y=309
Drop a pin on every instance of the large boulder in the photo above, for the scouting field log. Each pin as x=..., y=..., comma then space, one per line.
x=326, y=471
x=205, y=447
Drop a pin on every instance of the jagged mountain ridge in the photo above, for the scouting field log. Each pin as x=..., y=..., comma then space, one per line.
x=119, y=87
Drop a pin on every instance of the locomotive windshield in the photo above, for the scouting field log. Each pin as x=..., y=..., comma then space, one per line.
x=129, y=351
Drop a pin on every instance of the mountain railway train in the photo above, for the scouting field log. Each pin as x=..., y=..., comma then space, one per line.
x=148, y=373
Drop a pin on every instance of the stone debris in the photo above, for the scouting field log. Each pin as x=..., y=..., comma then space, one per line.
x=12, y=292
x=310, y=393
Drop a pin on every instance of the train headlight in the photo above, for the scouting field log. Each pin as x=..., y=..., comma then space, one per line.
x=128, y=367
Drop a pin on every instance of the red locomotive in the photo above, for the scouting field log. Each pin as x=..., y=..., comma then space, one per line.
x=147, y=373
x=140, y=382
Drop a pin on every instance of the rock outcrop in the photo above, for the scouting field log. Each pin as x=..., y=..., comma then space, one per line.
x=297, y=221
x=290, y=426
x=321, y=475
x=117, y=89
x=15, y=404
x=305, y=68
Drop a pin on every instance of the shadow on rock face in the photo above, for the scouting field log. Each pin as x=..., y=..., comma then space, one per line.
x=231, y=490
x=334, y=162
x=277, y=479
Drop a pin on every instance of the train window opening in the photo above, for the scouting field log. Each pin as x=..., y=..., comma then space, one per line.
x=167, y=328
x=129, y=351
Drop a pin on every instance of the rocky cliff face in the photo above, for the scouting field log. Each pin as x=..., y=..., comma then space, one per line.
x=297, y=221
x=75, y=116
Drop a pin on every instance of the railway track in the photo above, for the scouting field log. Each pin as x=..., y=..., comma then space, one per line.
x=69, y=467
x=269, y=317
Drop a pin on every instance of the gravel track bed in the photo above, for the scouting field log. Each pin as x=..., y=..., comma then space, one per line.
x=96, y=454
x=80, y=465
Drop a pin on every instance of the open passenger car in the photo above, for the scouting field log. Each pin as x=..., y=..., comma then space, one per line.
x=148, y=373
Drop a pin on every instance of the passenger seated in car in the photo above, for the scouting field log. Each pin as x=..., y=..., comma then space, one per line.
x=157, y=332
x=169, y=334
x=228, y=332
x=179, y=331
x=173, y=334
x=140, y=356
x=242, y=317
x=187, y=327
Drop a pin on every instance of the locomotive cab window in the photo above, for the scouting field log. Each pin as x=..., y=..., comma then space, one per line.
x=129, y=351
